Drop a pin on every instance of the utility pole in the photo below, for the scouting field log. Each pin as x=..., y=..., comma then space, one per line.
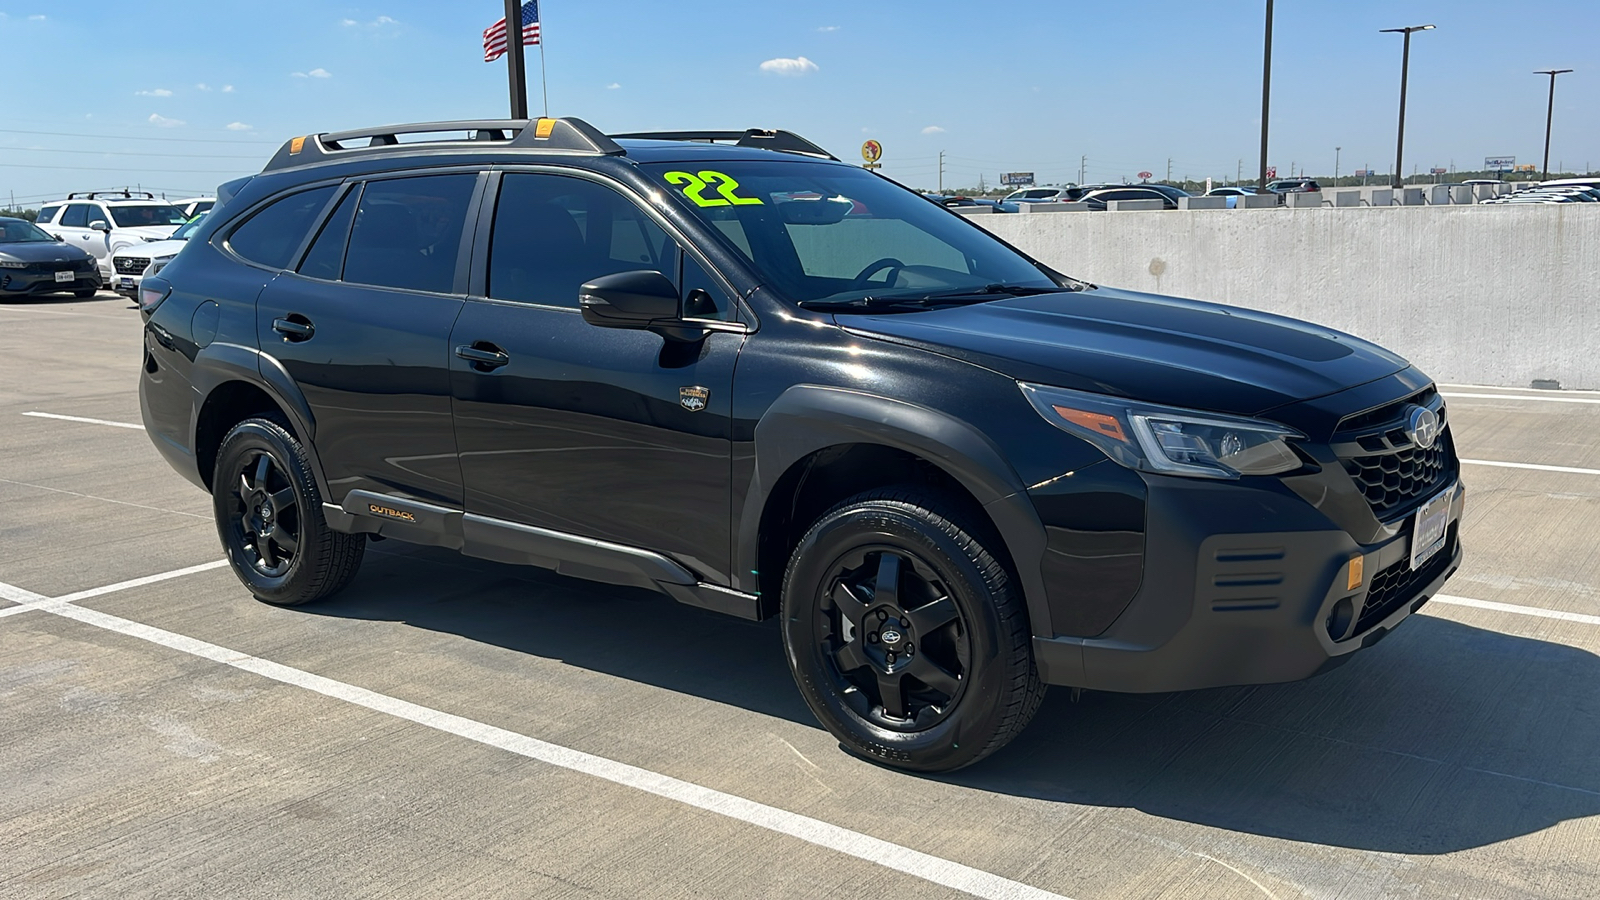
x=514, y=60
x=1083, y=168
x=1549, y=116
x=1266, y=96
x=1336, y=165
x=941, y=171
x=1169, y=169
x=1238, y=175
x=1405, y=68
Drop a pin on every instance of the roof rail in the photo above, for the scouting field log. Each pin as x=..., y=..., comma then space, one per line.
x=567, y=135
x=123, y=194
x=781, y=141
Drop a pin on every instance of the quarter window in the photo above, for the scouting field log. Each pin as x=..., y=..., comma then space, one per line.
x=553, y=233
x=325, y=259
x=271, y=236
x=407, y=232
x=46, y=213
x=76, y=216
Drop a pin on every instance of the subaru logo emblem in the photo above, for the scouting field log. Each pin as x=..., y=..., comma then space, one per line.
x=891, y=637
x=1422, y=426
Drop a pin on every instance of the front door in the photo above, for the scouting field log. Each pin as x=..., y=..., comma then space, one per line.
x=363, y=326
x=618, y=435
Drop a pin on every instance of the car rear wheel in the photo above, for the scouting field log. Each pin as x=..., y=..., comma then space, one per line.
x=905, y=633
x=269, y=516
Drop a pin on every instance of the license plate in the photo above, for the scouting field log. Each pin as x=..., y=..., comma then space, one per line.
x=65, y=276
x=1429, y=527
x=126, y=282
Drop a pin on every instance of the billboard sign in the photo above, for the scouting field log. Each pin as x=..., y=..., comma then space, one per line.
x=1438, y=171
x=1016, y=179
x=1499, y=163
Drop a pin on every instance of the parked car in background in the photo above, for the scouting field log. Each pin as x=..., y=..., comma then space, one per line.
x=194, y=206
x=1293, y=186
x=106, y=222
x=1045, y=194
x=957, y=202
x=33, y=262
x=1168, y=196
x=1233, y=193
x=135, y=262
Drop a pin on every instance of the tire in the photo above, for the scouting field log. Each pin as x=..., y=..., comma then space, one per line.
x=929, y=675
x=84, y=295
x=269, y=516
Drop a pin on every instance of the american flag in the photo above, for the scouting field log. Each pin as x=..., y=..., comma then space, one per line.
x=494, y=37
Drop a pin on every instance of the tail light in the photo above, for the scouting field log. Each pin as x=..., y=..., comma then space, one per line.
x=152, y=293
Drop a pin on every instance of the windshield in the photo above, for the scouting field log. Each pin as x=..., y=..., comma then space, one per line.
x=20, y=232
x=182, y=234
x=818, y=231
x=147, y=214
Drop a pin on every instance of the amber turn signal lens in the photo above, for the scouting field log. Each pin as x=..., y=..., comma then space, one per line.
x=1106, y=425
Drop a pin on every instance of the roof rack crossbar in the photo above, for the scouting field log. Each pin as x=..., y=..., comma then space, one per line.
x=781, y=141
x=563, y=135
x=123, y=194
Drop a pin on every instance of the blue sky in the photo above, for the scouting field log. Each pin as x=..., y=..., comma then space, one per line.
x=205, y=91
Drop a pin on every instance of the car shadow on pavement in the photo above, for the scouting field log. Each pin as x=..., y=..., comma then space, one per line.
x=61, y=299
x=1443, y=737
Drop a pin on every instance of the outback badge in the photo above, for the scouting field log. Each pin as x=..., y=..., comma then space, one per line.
x=693, y=398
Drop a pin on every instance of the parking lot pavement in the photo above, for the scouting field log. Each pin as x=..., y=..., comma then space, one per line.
x=450, y=727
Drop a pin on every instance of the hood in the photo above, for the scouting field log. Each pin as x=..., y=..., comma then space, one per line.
x=43, y=252
x=154, y=250
x=154, y=232
x=1145, y=347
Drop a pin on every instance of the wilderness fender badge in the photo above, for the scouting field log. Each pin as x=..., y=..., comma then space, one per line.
x=693, y=399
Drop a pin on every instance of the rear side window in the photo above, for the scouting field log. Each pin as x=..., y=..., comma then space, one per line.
x=76, y=216
x=270, y=237
x=407, y=232
x=325, y=259
x=46, y=214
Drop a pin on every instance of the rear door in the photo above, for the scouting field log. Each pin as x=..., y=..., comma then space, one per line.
x=604, y=433
x=362, y=327
x=73, y=225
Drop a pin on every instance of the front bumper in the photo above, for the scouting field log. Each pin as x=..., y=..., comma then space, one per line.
x=23, y=283
x=1222, y=602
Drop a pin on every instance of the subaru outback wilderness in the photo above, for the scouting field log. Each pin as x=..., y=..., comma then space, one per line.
x=729, y=367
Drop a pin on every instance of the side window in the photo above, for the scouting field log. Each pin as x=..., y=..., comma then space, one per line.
x=407, y=232
x=271, y=236
x=325, y=259
x=703, y=295
x=46, y=213
x=552, y=233
x=76, y=216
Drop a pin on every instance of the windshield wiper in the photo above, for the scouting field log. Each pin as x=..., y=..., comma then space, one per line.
x=1012, y=290
x=863, y=304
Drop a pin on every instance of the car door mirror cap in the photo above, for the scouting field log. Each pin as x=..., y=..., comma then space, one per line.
x=638, y=299
x=100, y=225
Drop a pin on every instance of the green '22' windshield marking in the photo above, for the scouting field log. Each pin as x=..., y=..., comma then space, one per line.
x=694, y=187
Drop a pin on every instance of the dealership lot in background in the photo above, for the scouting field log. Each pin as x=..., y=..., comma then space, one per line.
x=452, y=727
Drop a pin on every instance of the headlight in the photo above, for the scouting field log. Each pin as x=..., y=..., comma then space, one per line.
x=1166, y=439
x=12, y=264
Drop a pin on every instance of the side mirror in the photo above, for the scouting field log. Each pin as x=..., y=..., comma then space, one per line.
x=635, y=300
x=100, y=225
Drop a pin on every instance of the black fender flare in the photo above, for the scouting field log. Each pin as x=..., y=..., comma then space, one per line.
x=807, y=418
x=220, y=363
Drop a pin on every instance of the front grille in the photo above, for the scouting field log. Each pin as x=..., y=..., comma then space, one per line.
x=130, y=265
x=1398, y=585
x=1391, y=471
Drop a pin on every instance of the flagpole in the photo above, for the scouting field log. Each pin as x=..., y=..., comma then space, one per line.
x=515, y=62
x=544, y=83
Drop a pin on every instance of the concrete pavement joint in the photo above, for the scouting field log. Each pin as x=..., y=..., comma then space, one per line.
x=103, y=499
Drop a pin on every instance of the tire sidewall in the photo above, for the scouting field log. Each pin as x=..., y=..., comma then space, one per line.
x=964, y=734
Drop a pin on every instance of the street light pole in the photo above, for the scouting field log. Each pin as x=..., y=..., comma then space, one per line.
x=1549, y=116
x=1336, y=165
x=1405, y=68
x=1266, y=97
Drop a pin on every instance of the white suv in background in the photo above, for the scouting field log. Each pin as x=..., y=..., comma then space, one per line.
x=194, y=206
x=104, y=222
x=133, y=264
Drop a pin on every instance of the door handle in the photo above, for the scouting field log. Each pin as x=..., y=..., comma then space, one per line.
x=484, y=356
x=294, y=327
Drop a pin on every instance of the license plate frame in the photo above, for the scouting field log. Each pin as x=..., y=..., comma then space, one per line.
x=125, y=281
x=1429, y=527
x=65, y=277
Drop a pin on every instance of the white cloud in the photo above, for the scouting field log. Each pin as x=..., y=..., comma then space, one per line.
x=784, y=66
x=164, y=122
x=240, y=126
x=348, y=22
x=379, y=22
x=314, y=73
x=38, y=18
x=933, y=129
x=613, y=86
x=827, y=28
x=158, y=92
x=227, y=89
x=202, y=86
x=384, y=20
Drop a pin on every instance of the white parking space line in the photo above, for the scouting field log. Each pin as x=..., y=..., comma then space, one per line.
x=1570, y=470
x=1535, y=611
x=45, y=415
x=927, y=867
x=1459, y=396
x=1492, y=389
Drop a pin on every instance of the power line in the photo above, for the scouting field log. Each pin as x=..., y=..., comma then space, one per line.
x=133, y=169
x=256, y=156
x=134, y=137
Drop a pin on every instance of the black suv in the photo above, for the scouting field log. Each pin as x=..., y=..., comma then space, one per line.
x=767, y=383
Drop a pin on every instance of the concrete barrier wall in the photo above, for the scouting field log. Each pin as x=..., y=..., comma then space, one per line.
x=1498, y=295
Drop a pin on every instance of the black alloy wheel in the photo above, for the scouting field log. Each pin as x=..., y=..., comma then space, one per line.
x=895, y=641
x=905, y=633
x=269, y=515
x=265, y=516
